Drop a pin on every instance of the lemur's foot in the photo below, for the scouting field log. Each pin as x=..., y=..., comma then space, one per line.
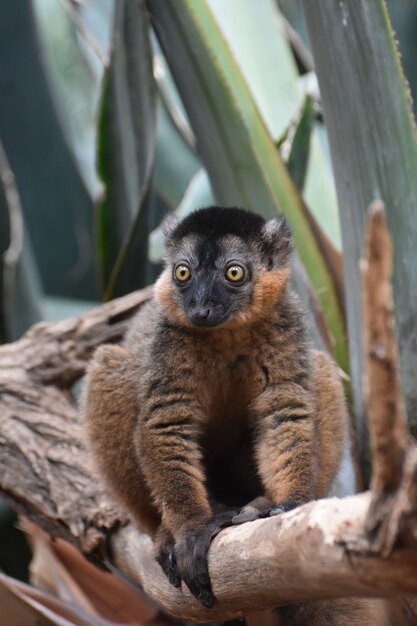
x=260, y=508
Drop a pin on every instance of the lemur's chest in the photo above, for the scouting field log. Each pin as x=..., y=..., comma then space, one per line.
x=232, y=377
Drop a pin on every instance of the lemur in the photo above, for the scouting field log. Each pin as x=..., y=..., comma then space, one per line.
x=215, y=410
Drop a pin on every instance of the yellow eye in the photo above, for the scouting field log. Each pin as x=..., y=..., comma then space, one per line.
x=235, y=273
x=182, y=273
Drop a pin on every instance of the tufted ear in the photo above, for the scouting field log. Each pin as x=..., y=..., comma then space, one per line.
x=169, y=224
x=277, y=241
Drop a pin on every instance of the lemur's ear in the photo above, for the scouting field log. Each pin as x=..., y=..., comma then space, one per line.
x=277, y=241
x=169, y=225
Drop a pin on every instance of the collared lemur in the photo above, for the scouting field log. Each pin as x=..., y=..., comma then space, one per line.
x=216, y=410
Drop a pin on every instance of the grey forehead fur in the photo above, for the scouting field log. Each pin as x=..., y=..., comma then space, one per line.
x=228, y=248
x=185, y=249
x=273, y=238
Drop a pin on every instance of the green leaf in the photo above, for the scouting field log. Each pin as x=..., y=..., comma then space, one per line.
x=258, y=40
x=172, y=174
x=176, y=161
x=53, y=195
x=75, y=75
x=239, y=154
x=198, y=194
x=170, y=97
x=374, y=150
x=126, y=148
x=298, y=157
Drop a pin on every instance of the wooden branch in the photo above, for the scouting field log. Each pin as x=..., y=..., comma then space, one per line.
x=57, y=353
x=385, y=409
x=393, y=498
x=267, y=563
x=44, y=470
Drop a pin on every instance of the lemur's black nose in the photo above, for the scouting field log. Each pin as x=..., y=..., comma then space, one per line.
x=205, y=314
x=201, y=315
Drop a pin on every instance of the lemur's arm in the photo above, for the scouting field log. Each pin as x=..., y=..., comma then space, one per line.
x=167, y=441
x=167, y=445
x=287, y=444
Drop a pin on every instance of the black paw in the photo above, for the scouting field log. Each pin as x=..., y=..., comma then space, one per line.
x=167, y=560
x=191, y=556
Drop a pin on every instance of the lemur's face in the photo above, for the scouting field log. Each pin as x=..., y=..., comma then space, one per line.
x=222, y=269
x=213, y=279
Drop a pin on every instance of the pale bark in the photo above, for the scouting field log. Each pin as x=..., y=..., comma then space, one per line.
x=317, y=551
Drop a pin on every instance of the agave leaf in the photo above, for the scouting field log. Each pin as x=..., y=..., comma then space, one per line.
x=93, y=21
x=297, y=141
x=75, y=83
x=171, y=176
x=298, y=157
x=374, y=151
x=53, y=195
x=258, y=39
x=126, y=146
x=239, y=154
x=301, y=146
x=197, y=195
x=170, y=97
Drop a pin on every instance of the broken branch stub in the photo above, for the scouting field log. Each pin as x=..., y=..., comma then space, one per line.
x=391, y=469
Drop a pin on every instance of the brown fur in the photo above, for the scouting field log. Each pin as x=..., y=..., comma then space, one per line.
x=164, y=293
x=184, y=419
x=112, y=409
x=332, y=432
x=179, y=395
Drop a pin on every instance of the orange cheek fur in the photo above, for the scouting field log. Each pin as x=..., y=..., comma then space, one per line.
x=265, y=295
x=164, y=295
